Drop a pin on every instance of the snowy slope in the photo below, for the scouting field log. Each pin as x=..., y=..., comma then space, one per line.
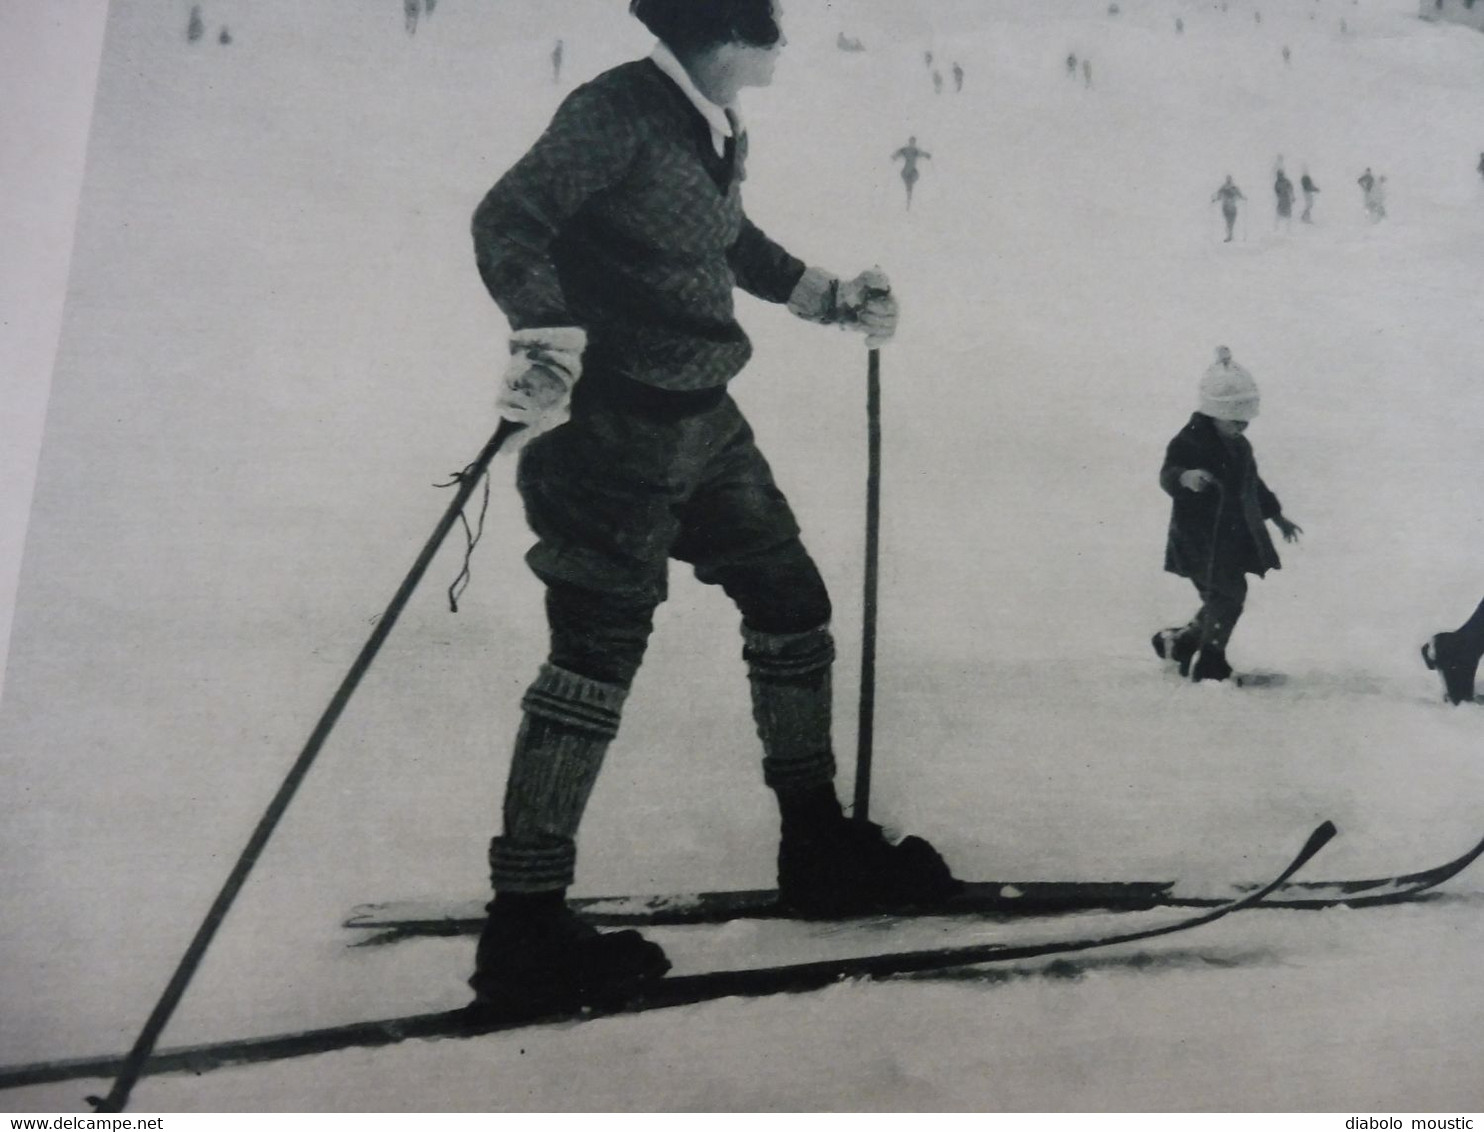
x=275, y=342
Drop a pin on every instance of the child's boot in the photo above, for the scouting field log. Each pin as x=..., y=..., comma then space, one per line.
x=1456, y=661
x=1211, y=664
x=1178, y=645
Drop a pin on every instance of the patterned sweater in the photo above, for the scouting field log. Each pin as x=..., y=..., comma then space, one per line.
x=623, y=220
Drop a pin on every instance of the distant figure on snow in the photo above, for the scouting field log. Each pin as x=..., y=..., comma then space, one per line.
x=1228, y=194
x=411, y=9
x=1455, y=657
x=1218, y=533
x=958, y=78
x=1481, y=165
x=1179, y=26
x=848, y=43
x=1086, y=73
x=1373, y=195
x=909, y=155
x=1287, y=55
x=937, y=82
x=556, y=62
x=225, y=37
x=1376, y=205
x=927, y=59
x=1283, y=190
x=1071, y=66
x=1309, y=188
x=195, y=29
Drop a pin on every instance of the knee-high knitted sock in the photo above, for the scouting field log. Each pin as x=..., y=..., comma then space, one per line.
x=791, y=705
x=569, y=722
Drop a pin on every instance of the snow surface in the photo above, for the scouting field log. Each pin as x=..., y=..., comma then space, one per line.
x=275, y=341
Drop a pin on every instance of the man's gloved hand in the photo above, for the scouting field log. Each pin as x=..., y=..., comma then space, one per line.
x=545, y=363
x=866, y=304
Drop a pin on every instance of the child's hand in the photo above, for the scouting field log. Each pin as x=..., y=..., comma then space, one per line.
x=1197, y=479
x=1291, y=531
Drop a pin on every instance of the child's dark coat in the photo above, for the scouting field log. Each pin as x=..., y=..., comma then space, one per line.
x=1226, y=526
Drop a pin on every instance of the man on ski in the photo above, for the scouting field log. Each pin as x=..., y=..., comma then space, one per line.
x=1309, y=188
x=613, y=247
x=1228, y=194
x=1455, y=657
x=909, y=155
x=1220, y=504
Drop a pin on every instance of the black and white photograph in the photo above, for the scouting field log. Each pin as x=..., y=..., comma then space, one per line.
x=729, y=556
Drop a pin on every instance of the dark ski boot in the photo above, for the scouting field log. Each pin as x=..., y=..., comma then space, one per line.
x=1456, y=663
x=830, y=866
x=1178, y=645
x=1211, y=665
x=535, y=956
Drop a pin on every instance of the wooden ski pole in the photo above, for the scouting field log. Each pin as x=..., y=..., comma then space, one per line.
x=123, y=1085
x=865, y=731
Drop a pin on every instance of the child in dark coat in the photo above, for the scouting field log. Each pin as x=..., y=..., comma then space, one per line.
x=1217, y=533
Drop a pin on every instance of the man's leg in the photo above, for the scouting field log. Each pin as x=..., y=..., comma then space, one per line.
x=740, y=534
x=602, y=535
x=533, y=951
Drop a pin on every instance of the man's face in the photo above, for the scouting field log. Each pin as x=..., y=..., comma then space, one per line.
x=753, y=65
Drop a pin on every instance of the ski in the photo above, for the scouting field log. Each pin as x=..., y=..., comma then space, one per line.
x=395, y=921
x=682, y=990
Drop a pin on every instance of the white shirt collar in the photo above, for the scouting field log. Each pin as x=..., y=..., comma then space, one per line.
x=716, y=116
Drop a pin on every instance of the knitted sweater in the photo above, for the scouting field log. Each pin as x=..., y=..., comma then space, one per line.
x=623, y=220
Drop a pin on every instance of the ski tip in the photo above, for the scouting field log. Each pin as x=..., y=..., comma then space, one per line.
x=1321, y=836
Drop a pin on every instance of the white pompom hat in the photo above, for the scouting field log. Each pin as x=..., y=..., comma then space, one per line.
x=1227, y=391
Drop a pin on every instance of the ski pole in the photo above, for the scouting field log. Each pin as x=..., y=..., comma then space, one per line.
x=867, y=718
x=128, y=1076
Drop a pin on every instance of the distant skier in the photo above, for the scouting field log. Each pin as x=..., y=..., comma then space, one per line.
x=1072, y=66
x=1228, y=194
x=927, y=58
x=195, y=27
x=909, y=155
x=1373, y=195
x=1287, y=56
x=1455, y=657
x=1308, y=188
x=556, y=62
x=1087, y=72
x=958, y=78
x=1283, y=190
x=225, y=37
x=937, y=82
x=411, y=10
x=1217, y=534
x=1179, y=26
x=1481, y=165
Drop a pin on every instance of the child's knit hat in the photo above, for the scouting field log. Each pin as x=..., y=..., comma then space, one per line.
x=1227, y=391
